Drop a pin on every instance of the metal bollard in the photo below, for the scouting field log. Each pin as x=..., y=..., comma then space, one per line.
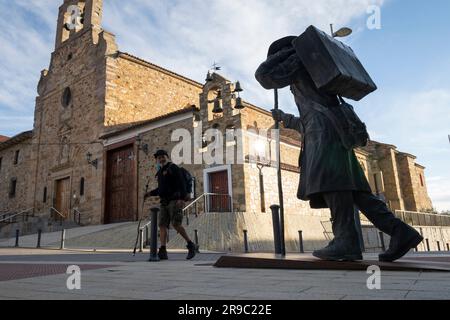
x=428, y=244
x=147, y=235
x=246, y=241
x=300, y=241
x=154, y=236
x=438, y=245
x=276, y=228
x=383, y=244
x=448, y=247
x=17, y=238
x=196, y=236
x=196, y=209
x=187, y=219
x=63, y=238
x=39, y=239
x=141, y=240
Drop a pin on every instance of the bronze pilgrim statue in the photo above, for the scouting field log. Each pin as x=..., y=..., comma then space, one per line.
x=321, y=71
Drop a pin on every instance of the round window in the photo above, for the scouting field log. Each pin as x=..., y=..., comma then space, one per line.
x=67, y=97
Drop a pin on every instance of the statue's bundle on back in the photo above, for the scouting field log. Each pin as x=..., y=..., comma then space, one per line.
x=332, y=65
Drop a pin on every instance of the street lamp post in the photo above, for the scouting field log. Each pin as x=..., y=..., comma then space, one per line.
x=341, y=33
x=279, y=210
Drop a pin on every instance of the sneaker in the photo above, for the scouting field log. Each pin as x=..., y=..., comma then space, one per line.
x=193, y=249
x=162, y=254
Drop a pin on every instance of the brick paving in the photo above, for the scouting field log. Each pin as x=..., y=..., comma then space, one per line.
x=15, y=271
x=119, y=275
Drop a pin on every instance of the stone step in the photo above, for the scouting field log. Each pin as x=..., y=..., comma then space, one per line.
x=33, y=224
x=52, y=238
x=113, y=236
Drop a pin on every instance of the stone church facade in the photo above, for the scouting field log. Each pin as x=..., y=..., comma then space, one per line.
x=101, y=113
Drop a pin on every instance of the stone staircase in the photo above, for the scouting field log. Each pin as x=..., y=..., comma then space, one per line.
x=101, y=237
x=28, y=225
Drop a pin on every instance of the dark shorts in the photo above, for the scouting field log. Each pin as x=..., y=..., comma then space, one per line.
x=170, y=214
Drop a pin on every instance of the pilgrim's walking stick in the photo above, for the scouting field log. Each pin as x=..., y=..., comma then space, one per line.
x=280, y=181
x=140, y=221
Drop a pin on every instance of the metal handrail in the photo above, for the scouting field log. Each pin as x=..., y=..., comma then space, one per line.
x=62, y=215
x=189, y=206
x=194, y=202
x=15, y=215
x=146, y=225
x=202, y=197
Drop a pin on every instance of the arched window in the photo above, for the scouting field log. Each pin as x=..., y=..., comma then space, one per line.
x=44, y=197
x=230, y=137
x=12, y=187
x=82, y=187
x=67, y=97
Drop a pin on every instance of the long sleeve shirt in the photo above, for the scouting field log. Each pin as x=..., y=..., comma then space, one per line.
x=171, y=183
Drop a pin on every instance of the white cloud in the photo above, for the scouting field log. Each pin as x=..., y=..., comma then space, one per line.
x=440, y=193
x=188, y=36
x=26, y=47
x=419, y=123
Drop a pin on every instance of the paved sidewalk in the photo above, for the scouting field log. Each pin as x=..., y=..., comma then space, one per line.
x=119, y=275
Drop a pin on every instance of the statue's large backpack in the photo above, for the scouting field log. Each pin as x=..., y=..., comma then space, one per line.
x=332, y=65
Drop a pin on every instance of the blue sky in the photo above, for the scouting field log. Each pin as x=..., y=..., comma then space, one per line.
x=409, y=58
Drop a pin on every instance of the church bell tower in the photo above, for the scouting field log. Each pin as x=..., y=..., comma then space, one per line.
x=76, y=16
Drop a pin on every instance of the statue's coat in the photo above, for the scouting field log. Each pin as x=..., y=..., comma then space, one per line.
x=325, y=165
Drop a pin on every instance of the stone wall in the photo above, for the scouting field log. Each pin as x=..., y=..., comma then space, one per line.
x=20, y=171
x=424, y=203
x=388, y=164
x=224, y=232
x=404, y=185
x=436, y=238
x=138, y=90
x=407, y=177
x=160, y=138
x=290, y=179
x=65, y=131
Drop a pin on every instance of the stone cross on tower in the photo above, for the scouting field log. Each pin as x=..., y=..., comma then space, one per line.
x=77, y=15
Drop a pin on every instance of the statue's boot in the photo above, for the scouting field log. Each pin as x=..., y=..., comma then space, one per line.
x=403, y=239
x=345, y=246
x=338, y=251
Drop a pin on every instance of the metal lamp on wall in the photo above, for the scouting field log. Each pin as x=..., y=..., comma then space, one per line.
x=93, y=163
x=142, y=146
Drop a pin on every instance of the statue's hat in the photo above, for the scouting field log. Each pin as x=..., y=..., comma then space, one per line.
x=280, y=44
